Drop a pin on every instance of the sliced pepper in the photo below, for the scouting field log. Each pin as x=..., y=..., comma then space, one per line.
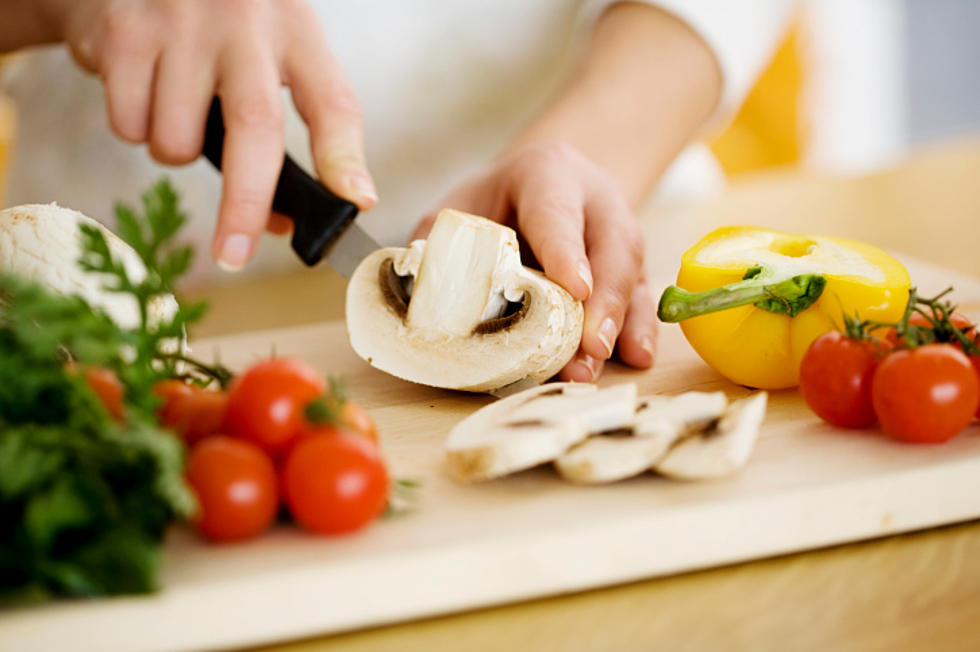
x=751, y=300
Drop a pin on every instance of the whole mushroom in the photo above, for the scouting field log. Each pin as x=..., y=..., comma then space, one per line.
x=42, y=243
x=460, y=311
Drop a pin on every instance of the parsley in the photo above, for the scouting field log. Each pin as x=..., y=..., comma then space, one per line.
x=85, y=500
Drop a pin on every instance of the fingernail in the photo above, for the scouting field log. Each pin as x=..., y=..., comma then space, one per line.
x=235, y=251
x=585, y=274
x=646, y=343
x=582, y=370
x=362, y=188
x=607, y=334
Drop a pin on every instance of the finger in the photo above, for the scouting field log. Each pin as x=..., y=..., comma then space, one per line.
x=128, y=82
x=279, y=224
x=253, y=152
x=616, y=251
x=582, y=368
x=424, y=226
x=182, y=96
x=637, y=341
x=327, y=103
x=482, y=195
x=550, y=217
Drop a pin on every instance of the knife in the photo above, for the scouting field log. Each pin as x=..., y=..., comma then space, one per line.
x=323, y=223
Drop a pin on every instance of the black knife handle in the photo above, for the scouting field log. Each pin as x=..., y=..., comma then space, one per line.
x=319, y=216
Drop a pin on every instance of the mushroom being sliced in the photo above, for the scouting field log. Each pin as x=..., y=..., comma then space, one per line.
x=459, y=310
x=722, y=448
x=534, y=427
x=660, y=421
x=42, y=243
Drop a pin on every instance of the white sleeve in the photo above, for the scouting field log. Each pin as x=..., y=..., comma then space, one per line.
x=742, y=34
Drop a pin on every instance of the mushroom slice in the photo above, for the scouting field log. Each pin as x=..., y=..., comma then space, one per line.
x=608, y=458
x=721, y=449
x=42, y=243
x=660, y=421
x=460, y=311
x=534, y=427
x=666, y=419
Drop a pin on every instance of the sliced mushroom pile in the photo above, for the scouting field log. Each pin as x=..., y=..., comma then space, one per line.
x=595, y=435
x=459, y=310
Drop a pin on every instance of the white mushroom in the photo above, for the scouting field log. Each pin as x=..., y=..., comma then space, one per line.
x=42, y=243
x=721, y=449
x=460, y=311
x=534, y=427
x=660, y=421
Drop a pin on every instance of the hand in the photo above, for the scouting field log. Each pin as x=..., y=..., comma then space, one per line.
x=163, y=60
x=578, y=225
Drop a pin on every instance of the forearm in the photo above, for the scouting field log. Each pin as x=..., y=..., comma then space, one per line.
x=644, y=88
x=24, y=23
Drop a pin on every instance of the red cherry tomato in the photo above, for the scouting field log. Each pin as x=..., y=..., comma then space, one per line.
x=107, y=387
x=335, y=482
x=197, y=415
x=355, y=419
x=266, y=403
x=975, y=359
x=925, y=395
x=235, y=483
x=835, y=378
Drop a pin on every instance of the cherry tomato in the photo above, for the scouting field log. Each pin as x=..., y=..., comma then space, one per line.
x=107, y=387
x=925, y=395
x=975, y=359
x=194, y=412
x=266, y=403
x=235, y=483
x=835, y=378
x=335, y=482
x=355, y=419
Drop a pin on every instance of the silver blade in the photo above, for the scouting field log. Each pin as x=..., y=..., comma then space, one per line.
x=349, y=249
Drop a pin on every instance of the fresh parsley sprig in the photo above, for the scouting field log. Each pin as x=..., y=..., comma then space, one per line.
x=84, y=499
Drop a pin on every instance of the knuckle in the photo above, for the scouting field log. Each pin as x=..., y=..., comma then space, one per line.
x=346, y=104
x=243, y=204
x=125, y=30
x=260, y=110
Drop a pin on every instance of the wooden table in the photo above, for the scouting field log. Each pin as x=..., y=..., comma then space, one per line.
x=910, y=592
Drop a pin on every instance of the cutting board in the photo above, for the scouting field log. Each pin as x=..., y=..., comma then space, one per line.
x=463, y=547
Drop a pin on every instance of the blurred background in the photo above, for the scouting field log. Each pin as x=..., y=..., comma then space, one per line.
x=856, y=84
x=852, y=87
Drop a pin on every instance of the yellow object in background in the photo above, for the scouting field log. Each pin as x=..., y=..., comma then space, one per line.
x=8, y=126
x=768, y=130
x=751, y=300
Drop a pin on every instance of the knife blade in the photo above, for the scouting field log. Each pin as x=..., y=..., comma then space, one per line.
x=323, y=223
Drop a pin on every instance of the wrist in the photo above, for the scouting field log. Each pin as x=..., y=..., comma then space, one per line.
x=644, y=89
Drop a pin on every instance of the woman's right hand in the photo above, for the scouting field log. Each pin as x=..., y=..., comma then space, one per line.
x=162, y=61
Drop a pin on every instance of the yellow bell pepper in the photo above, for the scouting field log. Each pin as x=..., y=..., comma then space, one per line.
x=751, y=300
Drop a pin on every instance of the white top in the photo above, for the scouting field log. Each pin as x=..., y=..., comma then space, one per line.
x=444, y=86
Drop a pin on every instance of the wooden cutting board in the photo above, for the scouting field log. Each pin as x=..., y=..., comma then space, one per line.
x=807, y=485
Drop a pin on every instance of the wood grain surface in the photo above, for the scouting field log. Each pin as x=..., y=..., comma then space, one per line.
x=909, y=592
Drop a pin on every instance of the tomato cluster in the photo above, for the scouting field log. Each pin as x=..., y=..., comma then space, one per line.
x=256, y=448
x=922, y=391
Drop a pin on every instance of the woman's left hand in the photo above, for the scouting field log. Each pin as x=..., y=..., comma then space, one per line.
x=578, y=224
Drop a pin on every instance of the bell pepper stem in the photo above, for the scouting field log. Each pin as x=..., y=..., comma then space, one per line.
x=786, y=296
